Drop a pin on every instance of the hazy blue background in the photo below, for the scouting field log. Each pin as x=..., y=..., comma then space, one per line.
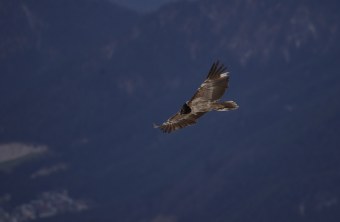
x=143, y=6
x=82, y=81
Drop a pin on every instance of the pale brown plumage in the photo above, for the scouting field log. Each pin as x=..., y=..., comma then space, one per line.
x=204, y=100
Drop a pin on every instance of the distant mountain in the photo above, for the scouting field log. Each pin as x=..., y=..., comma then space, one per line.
x=142, y=6
x=246, y=31
x=88, y=78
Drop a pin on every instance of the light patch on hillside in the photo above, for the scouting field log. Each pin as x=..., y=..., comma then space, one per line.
x=46, y=205
x=13, y=154
x=164, y=218
x=46, y=171
x=13, y=151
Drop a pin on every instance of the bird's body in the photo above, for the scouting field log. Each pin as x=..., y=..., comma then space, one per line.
x=205, y=99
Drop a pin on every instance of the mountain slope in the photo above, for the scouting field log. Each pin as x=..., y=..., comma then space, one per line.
x=88, y=78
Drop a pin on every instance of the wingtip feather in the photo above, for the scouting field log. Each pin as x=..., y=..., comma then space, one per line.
x=216, y=69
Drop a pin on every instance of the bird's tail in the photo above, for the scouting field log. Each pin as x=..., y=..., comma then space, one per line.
x=225, y=106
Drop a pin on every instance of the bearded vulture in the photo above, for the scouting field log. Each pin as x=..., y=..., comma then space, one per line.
x=205, y=99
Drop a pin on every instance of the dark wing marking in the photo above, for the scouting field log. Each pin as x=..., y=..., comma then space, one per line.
x=179, y=121
x=214, y=86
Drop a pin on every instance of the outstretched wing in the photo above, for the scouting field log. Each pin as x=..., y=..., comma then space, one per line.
x=212, y=89
x=214, y=86
x=179, y=121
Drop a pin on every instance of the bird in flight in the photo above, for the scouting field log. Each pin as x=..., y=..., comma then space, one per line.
x=206, y=99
